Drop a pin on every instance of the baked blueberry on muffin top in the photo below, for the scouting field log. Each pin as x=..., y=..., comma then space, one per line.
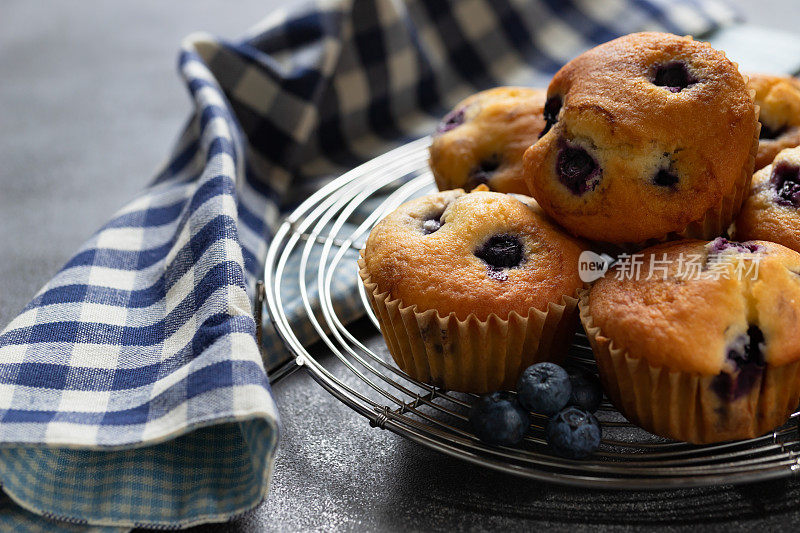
x=481, y=141
x=471, y=289
x=648, y=135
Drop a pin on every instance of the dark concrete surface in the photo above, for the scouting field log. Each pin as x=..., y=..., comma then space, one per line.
x=335, y=472
x=90, y=103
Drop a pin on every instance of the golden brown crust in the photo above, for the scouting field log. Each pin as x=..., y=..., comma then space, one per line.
x=686, y=323
x=440, y=270
x=500, y=124
x=762, y=217
x=779, y=100
x=705, y=135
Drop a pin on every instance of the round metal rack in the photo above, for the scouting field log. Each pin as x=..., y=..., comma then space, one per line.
x=326, y=232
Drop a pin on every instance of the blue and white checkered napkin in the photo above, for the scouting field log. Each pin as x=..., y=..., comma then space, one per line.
x=132, y=391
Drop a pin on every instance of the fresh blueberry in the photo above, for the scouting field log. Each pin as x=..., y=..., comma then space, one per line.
x=666, y=178
x=785, y=180
x=770, y=133
x=451, y=121
x=498, y=419
x=551, y=109
x=480, y=174
x=501, y=251
x=544, y=388
x=746, y=352
x=573, y=433
x=674, y=76
x=587, y=393
x=577, y=170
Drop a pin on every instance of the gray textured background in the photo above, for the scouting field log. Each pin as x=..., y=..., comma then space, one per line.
x=90, y=103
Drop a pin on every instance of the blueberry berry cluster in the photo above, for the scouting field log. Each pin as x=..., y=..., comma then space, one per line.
x=567, y=398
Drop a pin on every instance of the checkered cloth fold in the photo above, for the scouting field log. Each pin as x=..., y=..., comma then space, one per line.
x=132, y=391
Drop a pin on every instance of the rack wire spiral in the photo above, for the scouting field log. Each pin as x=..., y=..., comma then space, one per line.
x=361, y=374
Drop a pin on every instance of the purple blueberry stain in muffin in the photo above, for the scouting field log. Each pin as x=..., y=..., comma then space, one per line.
x=721, y=245
x=577, y=170
x=745, y=355
x=500, y=252
x=673, y=76
x=785, y=181
x=439, y=339
x=551, y=109
x=482, y=173
x=452, y=120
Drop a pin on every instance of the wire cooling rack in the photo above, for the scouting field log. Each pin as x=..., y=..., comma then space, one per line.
x=326, y=231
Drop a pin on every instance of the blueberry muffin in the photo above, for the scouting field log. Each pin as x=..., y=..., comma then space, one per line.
x=650, y=136
x=471, y=289
x=778, y=98
x=482, y=140
x=705, y=345
x=772, y=211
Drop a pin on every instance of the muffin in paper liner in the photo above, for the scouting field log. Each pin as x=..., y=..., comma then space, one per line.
x=472, y=288
x=470, y=355
x=684, y=405
x=628, y=160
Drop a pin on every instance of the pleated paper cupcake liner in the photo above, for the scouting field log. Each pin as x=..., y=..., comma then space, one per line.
x=470, y=355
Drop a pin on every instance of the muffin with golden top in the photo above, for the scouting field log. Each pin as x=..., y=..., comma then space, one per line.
x=651, y=136
x=481, y=141
x=772, y=211
x=703, y=344
x=471, y=289
x=778, y=98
